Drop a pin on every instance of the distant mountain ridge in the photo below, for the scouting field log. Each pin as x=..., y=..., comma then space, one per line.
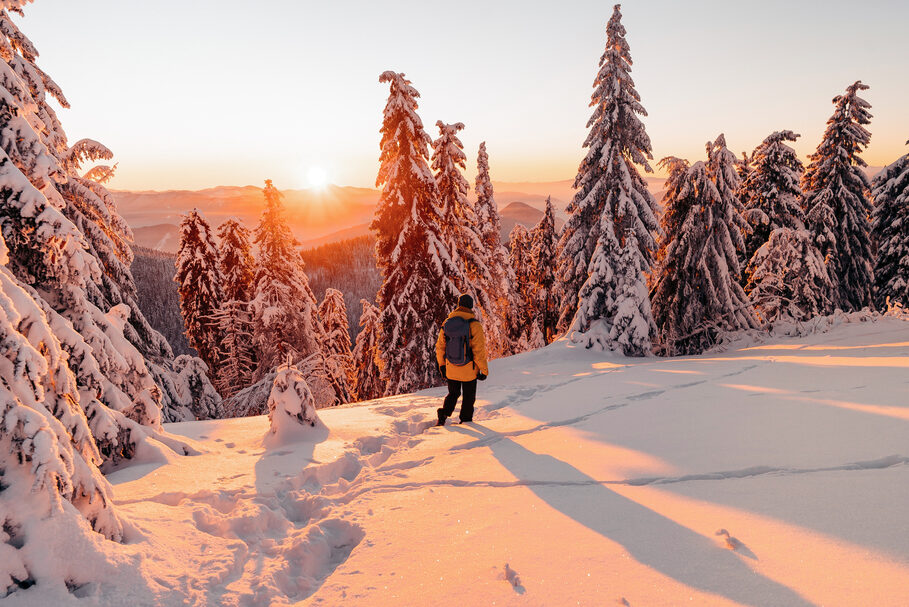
x=319, y=217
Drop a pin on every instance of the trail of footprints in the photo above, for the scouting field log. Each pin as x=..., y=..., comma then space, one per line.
x=296, y=530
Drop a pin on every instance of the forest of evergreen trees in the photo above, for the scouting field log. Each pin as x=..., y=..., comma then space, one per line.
x=734, y=244
x=156, y=294
x=348, y=266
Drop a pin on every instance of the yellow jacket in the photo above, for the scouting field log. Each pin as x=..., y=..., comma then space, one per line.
x=469, y=371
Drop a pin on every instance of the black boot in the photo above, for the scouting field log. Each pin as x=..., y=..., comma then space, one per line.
x=442, y=417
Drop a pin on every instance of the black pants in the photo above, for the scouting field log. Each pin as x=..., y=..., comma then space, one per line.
x=454, y=391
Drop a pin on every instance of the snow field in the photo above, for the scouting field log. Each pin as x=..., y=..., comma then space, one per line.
x=627, y=470
x=771, y=474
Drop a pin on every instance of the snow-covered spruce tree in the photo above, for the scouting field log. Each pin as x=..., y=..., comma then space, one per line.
x=368, y=381
x=199, y=281
x=70, y=269
x=890, y=228
x=291, y=406
x=787, y=278
x=336, y=347
x=697, y=294
x=489, y=228
x=93, y=209
x=524, y=294
x=48, y=458
x=419, y=275
x=237, y=269
x=771, y=192
x=237, y=357
x=194, y=389
x=544, y=241
x=235, y=261
x=460, y=228
x=611, y=196
x=284, y=309
x=836, y=202
x=721, y=166
x=634, y=327
x=86, y=202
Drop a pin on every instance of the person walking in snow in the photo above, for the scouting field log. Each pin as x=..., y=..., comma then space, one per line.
x=461, y=354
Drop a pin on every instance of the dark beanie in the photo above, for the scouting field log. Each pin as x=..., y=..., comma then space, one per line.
x=465, y=301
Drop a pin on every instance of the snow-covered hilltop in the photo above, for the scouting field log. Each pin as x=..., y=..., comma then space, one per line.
x=774, y=473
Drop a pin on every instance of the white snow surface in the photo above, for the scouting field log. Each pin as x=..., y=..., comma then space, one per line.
x=773, y=473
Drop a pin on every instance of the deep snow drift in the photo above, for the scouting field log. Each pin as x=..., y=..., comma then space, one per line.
x=773, y=473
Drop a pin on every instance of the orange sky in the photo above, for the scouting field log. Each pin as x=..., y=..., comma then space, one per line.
x=191, y=95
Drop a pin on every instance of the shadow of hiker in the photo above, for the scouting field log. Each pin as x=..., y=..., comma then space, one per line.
x=651, y=538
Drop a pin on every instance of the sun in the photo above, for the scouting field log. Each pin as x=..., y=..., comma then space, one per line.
x=316, y=177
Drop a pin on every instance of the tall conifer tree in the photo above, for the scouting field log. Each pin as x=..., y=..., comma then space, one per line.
x=544, y=240
x=697, y=294
x=771, y=192
x=199, y=281
x=836, y=201
x=88, y=276
x=235, y=261
x=890, y=229
x=237, y=268
x=284, y=309
x=460, y=226
x=336, y=347
x=79, y=388
x=611, y=196
x=368, y=381
x=419, y=275
x=721, y=166
x=490, y=231
x=524, y=331
x=785, y=276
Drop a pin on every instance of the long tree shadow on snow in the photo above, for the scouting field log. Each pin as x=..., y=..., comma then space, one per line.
x=725, y=380
x=651, y=538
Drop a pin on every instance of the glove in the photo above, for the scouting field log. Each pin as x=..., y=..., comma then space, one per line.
x=481, y=376
x=442, y=371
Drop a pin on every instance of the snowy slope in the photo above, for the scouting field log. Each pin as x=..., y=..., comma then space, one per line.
x=770, y=474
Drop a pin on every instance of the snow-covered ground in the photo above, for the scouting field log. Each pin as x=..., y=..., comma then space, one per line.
x=770, y=474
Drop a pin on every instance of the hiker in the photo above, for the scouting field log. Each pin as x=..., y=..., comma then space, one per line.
x=461, y=354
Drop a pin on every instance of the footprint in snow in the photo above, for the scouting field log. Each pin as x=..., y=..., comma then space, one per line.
x=735, y=544
x=511, y=576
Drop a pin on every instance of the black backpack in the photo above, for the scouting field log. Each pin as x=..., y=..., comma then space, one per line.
x=457, y=340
